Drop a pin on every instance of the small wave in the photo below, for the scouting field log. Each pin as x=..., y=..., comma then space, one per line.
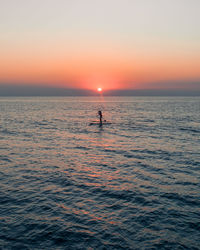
x=82, y=147
x=189, y=200
x=190, y=130
x=6, y=159
x=8, y=132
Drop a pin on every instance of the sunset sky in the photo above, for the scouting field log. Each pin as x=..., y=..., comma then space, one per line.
x=112, y=44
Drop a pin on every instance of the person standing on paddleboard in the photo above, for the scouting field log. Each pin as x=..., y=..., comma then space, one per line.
x=100, y=118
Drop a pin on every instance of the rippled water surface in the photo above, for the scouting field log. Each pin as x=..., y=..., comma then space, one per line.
x=134, y=184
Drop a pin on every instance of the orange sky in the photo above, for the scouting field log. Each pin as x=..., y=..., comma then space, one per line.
x=89, y=46
x=108, y=70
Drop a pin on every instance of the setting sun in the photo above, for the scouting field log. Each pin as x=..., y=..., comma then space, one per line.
x=99, y=89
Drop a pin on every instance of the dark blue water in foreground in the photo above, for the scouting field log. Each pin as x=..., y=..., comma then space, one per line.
x=134, y=184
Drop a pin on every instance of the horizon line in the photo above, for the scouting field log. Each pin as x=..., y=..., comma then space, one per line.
x=46, y=90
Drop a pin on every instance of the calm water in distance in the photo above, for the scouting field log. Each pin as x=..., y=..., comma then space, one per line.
x=134, y=184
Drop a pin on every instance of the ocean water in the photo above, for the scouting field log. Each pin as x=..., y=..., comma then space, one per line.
x=134, y=184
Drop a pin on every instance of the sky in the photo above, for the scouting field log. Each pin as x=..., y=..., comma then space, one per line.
x=112, y=44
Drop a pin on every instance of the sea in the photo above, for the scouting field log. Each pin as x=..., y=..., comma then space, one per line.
x=130, y=184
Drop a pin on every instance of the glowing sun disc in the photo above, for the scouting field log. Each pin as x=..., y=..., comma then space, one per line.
x=99, y=89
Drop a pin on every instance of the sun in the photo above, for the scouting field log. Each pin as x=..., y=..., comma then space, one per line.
x=99, y=89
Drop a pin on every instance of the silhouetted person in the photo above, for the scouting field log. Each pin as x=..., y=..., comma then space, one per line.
x=100, y=118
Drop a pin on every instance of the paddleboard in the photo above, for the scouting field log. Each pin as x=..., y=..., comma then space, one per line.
x=97, y=123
